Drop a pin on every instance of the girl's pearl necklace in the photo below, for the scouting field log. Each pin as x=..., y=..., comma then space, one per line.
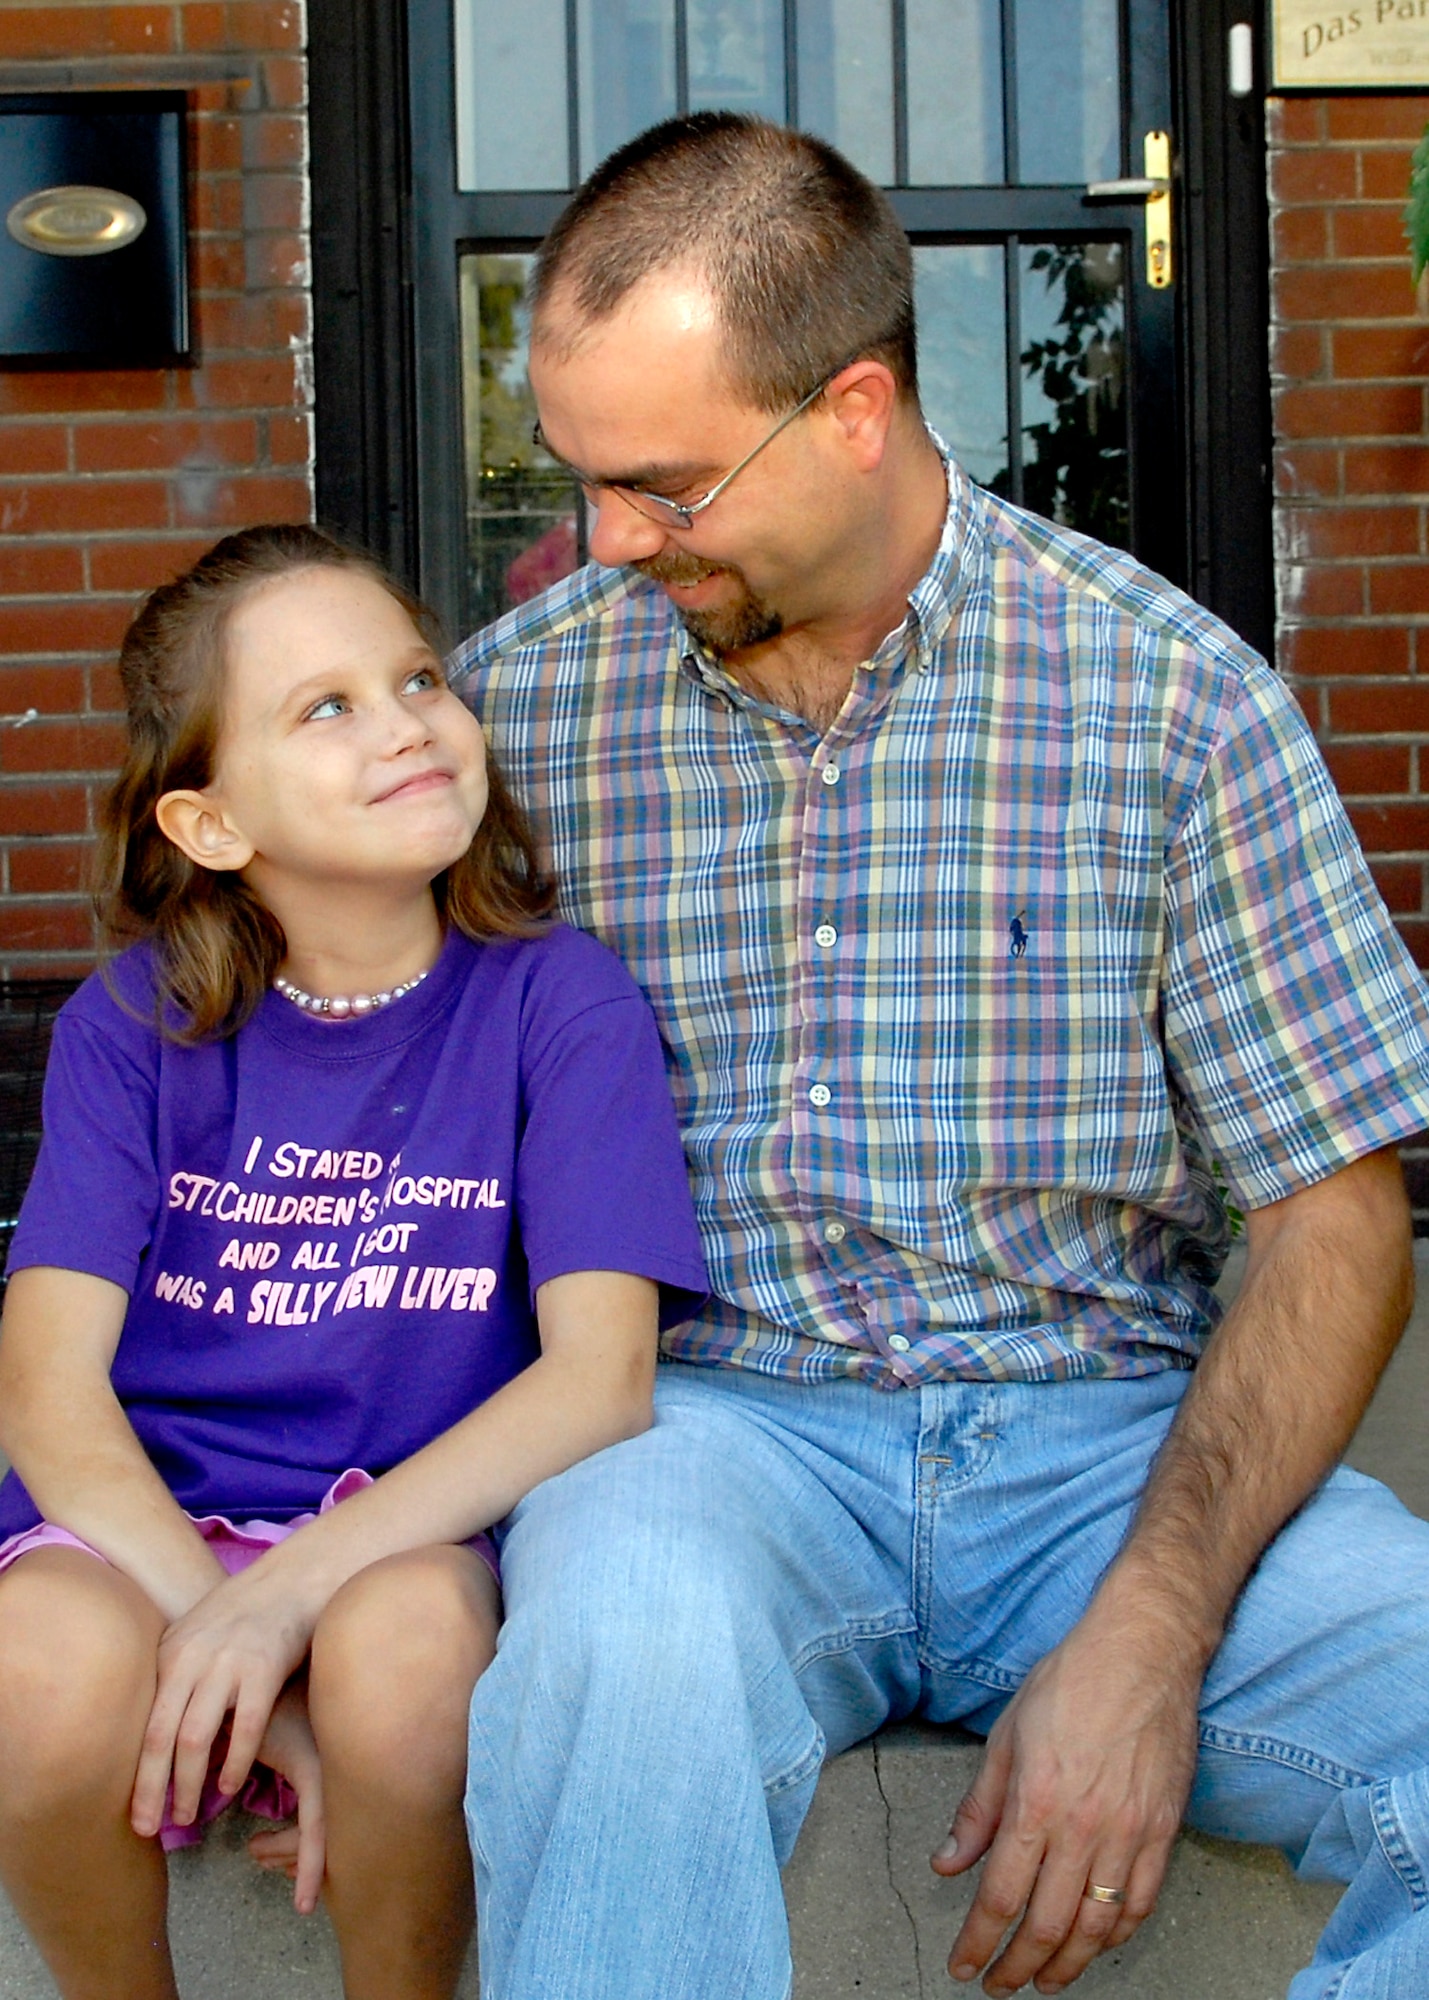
x=344, y=1007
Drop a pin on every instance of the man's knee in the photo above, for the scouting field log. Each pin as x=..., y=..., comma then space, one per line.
x=625, y=1561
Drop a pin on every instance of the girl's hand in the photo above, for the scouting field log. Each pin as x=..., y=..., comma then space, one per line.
x=231, y=1653
x=289, y=1748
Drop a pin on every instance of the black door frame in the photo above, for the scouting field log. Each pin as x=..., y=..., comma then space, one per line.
x=386, y=214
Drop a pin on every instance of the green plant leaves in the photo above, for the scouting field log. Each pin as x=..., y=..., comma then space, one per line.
x=1416, y=215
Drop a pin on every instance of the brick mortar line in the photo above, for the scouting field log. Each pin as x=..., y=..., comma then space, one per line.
x=166, y=71
x=45, y=480
x=1337, y=204
x=61, y=539
x=111, y=536
x=193, y=462
x=151, y=472
x=94, y=596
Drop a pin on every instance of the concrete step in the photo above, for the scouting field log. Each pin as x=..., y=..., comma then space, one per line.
x=870, y=1921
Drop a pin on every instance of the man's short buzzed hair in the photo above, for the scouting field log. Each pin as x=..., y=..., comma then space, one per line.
x=808, y=265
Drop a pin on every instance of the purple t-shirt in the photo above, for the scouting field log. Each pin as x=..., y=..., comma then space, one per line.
x=332, y=1232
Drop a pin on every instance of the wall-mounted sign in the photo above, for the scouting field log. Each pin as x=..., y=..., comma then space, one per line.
x=75, y=221
x=93, y=267
x=1373, y=45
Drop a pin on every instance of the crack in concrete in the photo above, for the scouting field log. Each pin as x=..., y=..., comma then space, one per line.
x=888, y=1864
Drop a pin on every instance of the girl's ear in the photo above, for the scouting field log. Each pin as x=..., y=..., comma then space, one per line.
x=198, y=827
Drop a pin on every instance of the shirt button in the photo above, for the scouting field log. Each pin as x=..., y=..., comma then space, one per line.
x=899, y=1343
x=820, y=1095
x=834, y=1232
x=830, y=774
x=826, y=935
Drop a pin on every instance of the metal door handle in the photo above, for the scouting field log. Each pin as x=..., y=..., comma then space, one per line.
x=1132, y=190
x=1154, y=188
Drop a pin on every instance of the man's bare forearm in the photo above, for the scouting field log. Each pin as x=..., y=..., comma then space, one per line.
x=1089, y=1767
x=1283, y=1384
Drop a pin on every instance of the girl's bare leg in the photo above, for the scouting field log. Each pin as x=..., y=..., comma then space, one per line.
x=77, y=1653
x=394, y=1659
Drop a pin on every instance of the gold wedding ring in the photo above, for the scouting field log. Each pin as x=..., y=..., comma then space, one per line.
x=1097, y=1894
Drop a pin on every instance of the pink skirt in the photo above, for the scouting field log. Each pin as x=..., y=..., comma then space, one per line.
x=236, y=1544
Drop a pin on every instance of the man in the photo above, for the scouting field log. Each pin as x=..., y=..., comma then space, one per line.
x=995, y=906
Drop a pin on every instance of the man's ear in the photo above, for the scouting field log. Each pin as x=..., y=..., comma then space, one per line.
x=197, y=826
x=863, y=399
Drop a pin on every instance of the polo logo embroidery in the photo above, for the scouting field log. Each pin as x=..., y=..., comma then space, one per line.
x=1018, y=935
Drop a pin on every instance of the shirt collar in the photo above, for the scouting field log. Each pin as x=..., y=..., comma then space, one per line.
x=931, y=602
x=943, y=585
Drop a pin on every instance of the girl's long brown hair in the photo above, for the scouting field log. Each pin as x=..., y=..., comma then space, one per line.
x=216, y=946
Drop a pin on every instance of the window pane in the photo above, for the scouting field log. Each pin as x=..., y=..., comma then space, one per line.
x=955, y=92
x=1068, y=90
x=511, y=122
x=627, y=71
x=521, y=510
x=1074, y=454
x=846, y=80
x=962, y=354
x=736, y=56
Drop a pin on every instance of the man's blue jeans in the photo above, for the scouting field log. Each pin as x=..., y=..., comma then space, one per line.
x=695, y=1619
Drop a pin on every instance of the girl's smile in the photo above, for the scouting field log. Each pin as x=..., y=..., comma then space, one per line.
x=425, y=781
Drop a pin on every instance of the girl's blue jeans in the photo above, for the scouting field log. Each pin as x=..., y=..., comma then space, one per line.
x=696, y=1618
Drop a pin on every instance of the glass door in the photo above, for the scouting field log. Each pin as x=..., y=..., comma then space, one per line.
x=1012, y=138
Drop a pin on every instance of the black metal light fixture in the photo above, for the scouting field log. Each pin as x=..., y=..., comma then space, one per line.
x=93, y=256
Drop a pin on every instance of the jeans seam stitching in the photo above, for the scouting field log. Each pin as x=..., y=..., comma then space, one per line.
x=797, y=1773
x=892, y=1626
x=1274, y=1750
x=985, y=1672
x=1397, y=1850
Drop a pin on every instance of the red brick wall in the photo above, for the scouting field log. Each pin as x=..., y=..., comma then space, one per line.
x=1349, y=361
x=110, y=481
x=1350, y=369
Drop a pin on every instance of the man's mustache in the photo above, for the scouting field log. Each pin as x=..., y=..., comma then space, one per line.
x=676, y=566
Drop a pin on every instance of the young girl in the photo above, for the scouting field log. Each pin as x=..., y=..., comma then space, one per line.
x=352, y=1168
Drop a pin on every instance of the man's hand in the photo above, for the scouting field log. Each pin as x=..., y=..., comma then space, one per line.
x=1089, y=1767
x=1084, y=1780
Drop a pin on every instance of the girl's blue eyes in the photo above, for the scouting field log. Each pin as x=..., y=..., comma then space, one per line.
x=420, y=682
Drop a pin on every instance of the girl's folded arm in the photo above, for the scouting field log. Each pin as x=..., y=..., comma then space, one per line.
x=63, y=1430
x=590, y=1387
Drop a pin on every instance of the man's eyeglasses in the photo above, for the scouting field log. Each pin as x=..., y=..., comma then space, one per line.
x=678, y=513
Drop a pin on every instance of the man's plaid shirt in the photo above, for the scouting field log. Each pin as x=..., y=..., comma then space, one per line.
x=971, y=1002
